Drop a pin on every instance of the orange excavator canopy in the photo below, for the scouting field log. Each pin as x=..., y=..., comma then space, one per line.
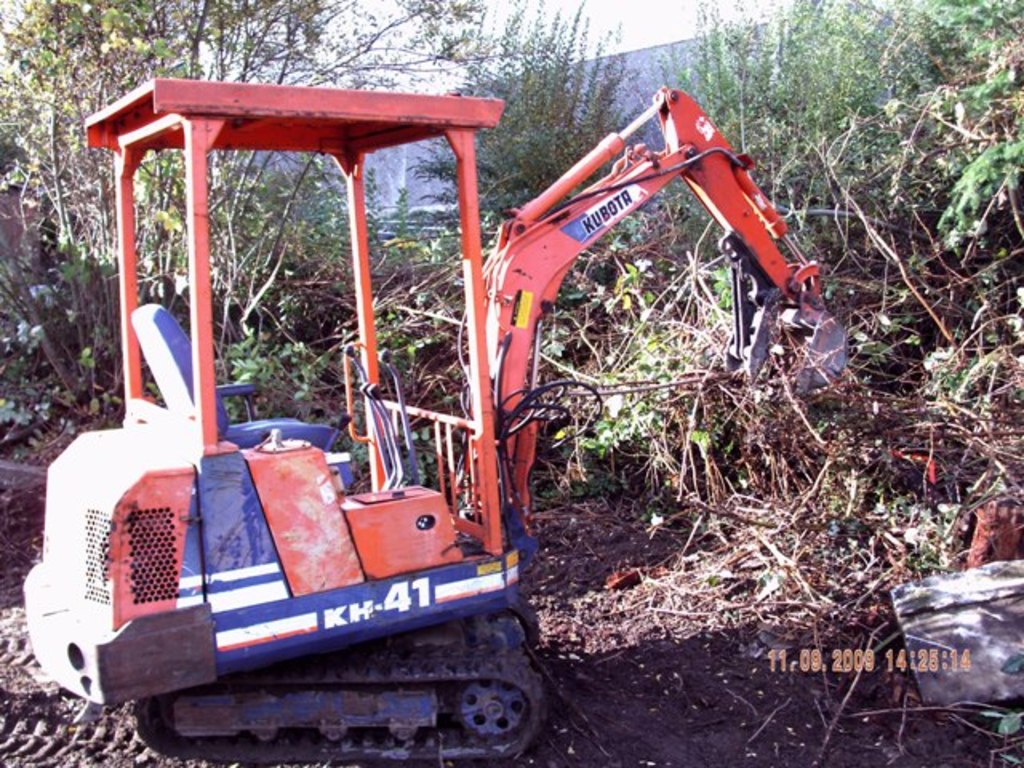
x=200, y=117
x=284, y=117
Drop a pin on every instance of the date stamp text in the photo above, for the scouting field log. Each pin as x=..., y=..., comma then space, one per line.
x=844, y=660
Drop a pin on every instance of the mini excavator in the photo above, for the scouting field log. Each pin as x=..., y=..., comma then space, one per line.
x=229, y=578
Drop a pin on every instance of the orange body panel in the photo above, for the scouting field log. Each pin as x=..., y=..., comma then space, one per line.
x=401, y=531
x=305, y=518
x=118, y=506
x=147, y=540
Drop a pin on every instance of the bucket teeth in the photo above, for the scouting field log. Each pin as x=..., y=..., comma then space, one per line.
x=825, y=351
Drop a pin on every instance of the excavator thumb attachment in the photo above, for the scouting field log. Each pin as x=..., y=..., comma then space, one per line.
x=755, y=308
x=753, y=329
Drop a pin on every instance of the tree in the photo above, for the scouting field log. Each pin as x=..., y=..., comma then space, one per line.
x=62, y=60
x=560, y=99
x=979, y=116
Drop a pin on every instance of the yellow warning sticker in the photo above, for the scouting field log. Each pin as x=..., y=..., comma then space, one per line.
x=486, y=568
x=521, y=309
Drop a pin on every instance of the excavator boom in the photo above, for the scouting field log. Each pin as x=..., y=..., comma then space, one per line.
x=538, y=246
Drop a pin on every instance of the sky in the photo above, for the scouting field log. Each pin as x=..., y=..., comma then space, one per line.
x=645, y=23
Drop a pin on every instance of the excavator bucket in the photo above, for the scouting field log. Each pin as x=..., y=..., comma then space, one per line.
x=755, y=314
x=825, y=354
x=756, y=306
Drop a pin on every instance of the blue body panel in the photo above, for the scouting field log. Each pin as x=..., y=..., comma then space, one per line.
x=235, y=532
x=258, y=635
x=257, y=619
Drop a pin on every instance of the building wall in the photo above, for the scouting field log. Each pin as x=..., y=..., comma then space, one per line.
x=645, y=71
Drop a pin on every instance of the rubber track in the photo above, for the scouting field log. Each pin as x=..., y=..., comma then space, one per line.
x=346, y=670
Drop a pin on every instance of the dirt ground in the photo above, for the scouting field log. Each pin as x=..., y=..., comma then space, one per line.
x=627, y=687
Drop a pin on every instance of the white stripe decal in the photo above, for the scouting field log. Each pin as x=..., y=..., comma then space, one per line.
x=246, y=573
x=467, y=587
x=237, y=574
x=241, y=597
x=267, y=631
x=191, y=582
x=246, y=596
x=513, y=574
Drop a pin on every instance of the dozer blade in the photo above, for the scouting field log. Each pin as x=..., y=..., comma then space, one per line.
x=826, y=354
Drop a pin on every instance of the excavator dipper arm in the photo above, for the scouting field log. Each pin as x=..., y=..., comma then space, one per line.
x=538, y=246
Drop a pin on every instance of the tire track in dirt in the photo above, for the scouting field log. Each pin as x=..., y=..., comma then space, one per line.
x=36, y=724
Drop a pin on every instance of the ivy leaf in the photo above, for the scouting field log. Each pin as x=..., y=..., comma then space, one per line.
x=1009, y=725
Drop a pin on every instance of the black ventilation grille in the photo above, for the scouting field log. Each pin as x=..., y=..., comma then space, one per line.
x=151, y=546
x=97, y=556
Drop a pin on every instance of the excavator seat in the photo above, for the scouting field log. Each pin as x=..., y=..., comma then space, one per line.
x=168, y=352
